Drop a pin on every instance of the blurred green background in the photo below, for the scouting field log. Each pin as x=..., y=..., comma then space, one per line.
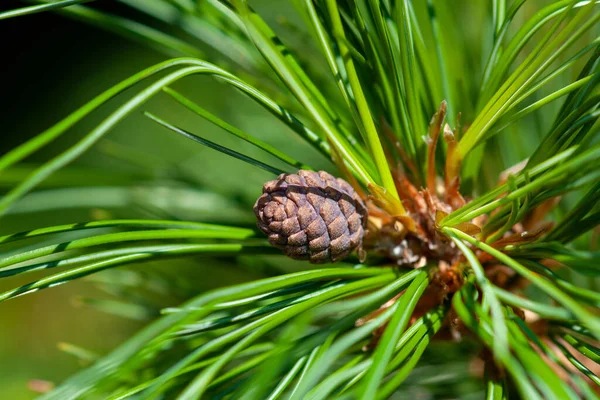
x=50, y=66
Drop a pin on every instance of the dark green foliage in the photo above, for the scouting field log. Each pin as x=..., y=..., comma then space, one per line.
x=359, y=84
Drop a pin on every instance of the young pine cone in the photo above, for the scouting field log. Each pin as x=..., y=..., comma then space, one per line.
x=311, y=216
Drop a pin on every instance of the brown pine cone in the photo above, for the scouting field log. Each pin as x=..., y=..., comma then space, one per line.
x=312, y=216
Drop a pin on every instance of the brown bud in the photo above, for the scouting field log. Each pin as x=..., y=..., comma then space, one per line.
x=311, y=216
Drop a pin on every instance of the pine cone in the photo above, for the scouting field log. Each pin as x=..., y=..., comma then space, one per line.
x=312, y=216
